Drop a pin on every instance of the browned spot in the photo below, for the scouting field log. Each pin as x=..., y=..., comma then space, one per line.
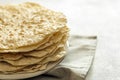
x=11, y=34
x=15, y=29
x=10, y=41
x=29, y=41
x=62, y=19
x=13, y=15
x=23, y=36
x=7, y=29
x=20, y=33
x=10, y=45
x=10, y=31
x=22, y=30
x=29, y=26
x=34, y=30
x=41, y=21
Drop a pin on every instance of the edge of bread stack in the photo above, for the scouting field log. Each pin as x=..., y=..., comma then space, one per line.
x=31, y=36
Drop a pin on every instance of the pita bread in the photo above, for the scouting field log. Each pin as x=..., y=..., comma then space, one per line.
x=25, y=26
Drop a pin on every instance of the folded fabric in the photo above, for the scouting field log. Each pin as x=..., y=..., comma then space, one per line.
x=77, y=62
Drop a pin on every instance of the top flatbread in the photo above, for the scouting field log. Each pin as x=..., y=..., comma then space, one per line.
x=24, y=27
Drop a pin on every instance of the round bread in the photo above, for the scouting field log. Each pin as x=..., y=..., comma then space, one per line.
x=25, y=27
x=22, y=65
x=31, y=38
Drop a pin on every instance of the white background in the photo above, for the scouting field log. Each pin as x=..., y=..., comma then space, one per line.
x=93, y=17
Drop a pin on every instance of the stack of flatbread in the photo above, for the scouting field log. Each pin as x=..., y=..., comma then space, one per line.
x=31, y=36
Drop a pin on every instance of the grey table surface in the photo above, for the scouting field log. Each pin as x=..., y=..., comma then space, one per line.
x=93, y=17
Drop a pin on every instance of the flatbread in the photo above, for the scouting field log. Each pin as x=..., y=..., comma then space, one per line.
x=27, y=48
x=10, y=69
x=25, y=61
x=5, y=67
x=34, y=68
x=45, y=62
x=7, y=56
x=25, y=26
x=36, y=53
x=49, y=50
x=54, y=39
x=31, y=37
x=41, y=53
x=54, y=57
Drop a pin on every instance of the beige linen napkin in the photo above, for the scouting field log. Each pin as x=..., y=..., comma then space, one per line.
x=77, y=62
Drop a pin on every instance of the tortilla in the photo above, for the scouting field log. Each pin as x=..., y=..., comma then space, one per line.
x=31, y=37
x=7, y=56
x=24, y=61
x=41, y=53
x=36, y=53
x=47, y=51
x=54, y=57
x=45, y=62
x=34, y=68
x=41, y=65
x=54, y=39
x=26, y=26
x=5, y=67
